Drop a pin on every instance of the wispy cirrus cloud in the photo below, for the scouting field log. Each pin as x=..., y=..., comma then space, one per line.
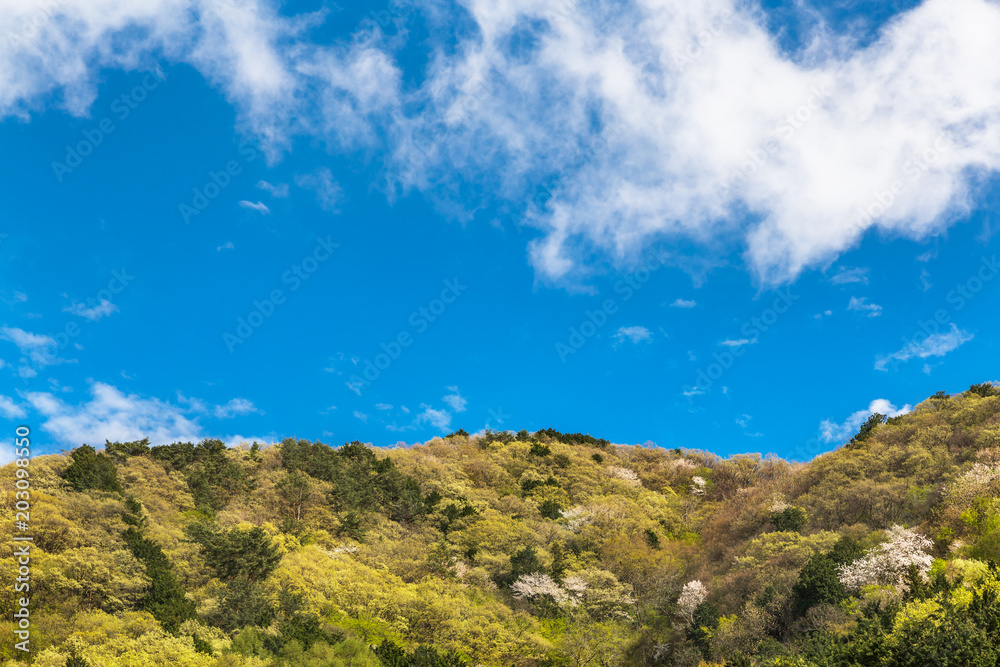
x=861, y=305
x=280, y=190
x=846, y=276
x=38, y=350
x=260, y=207
x=933, y=345
x=92, y=312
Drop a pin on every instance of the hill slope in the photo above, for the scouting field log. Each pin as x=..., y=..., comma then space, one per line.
x=518, y=549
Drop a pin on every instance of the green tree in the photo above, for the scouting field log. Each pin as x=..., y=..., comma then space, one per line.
x=123, y=450
x=294, y=490
x=237, y=552
x=868, y=427
x=91, y=470
x=818, y=583
x=789, y=520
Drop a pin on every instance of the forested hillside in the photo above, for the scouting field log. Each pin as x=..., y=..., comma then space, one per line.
x=519, y=549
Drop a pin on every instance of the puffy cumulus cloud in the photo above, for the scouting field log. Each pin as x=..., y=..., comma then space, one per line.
x=110, y=414
x=634, y=334
x=647, y=119
x=55, y=48
x=831, y=431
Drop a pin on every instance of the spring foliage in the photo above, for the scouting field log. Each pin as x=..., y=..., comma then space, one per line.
x=534, y=549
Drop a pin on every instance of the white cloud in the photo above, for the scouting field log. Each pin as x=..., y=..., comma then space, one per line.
x=383, y=406
x=934, y=345
x=439, y=419
x=260, y=207
x=455, y=400
x=738, y=342
x=683, y=303
x=360, y=415
x=820, y=316
x=39, y=350
x=235, y=407
x=862, y=305
x=92, y=313
x=634, y=334
x=845, y=276
x=328, y=191
x=228, y=245
x=279, y=190
x=925, y=280
x=643, y=138
x=831, y=431
x=112, y=415
x=9, y=409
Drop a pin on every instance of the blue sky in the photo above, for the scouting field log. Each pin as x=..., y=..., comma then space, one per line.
x=740, y=228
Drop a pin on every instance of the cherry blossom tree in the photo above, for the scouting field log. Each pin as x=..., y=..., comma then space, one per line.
x=888, y=563
x=692, y=595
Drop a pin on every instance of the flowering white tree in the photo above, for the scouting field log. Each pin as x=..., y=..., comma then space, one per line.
x=887, y=564
x=692, y=595
x=576, y=517
x=697, y=486
x=974, y=482
x=623, y=474
x=538, y=585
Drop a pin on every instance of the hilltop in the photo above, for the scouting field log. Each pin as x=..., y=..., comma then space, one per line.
x=520, y=548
